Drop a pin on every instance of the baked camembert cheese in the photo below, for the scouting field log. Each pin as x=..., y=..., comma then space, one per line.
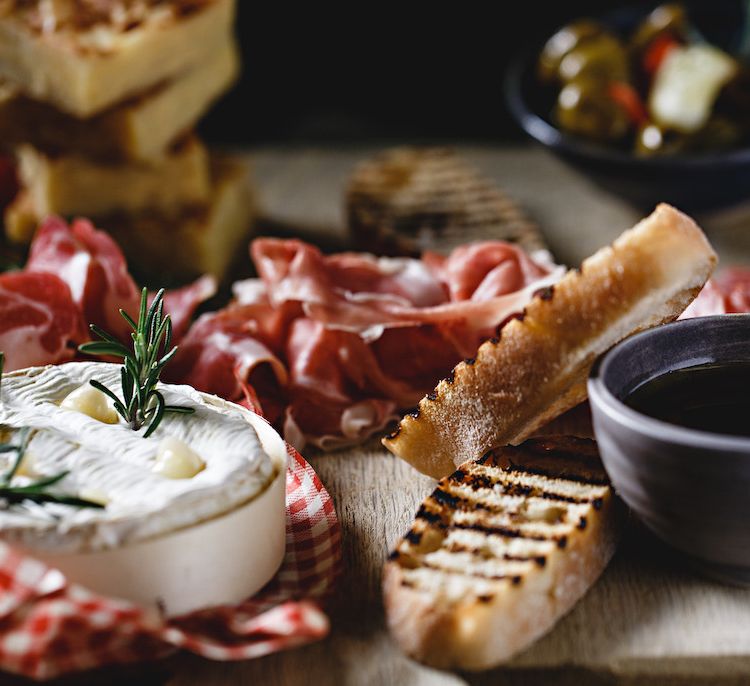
x=185, y=481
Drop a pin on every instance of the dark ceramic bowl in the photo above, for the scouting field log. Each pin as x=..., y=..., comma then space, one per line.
x=691, y=488
x=689, y=181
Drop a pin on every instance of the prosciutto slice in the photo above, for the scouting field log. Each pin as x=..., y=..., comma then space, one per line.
x=95, y=270
x=331, y=348
x=727, y=293
x=76, y=275
x=92, y=265
x=39, y=321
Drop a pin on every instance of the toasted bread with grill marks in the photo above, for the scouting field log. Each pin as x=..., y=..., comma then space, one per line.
x=500, y=551
x=407, y=200
x=536, y=369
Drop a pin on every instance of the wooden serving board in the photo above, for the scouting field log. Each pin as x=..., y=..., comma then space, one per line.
x=647, y=621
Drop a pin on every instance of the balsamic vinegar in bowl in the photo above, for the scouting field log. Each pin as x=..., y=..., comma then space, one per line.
x=712, y=397
x=671, y=414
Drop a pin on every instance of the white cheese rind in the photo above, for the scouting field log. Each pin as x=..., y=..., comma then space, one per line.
x=219, y=562
x=117, y=461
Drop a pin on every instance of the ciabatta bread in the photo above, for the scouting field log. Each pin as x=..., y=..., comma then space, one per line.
x=499, y=552
x=536, y=369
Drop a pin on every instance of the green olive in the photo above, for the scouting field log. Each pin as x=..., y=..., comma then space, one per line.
x=602, y=57
x=720, y=133
x=669, y=19
x=652, y=140
x=561, y=43
x=585, y=107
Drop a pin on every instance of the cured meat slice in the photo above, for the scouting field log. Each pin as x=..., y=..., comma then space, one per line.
x=95, y=269
x=76, y=275
x=181, y=303
x=328, y=347
x=727, y=293
x=367, y=295
x=39, y=322
x=92, y=265
x=223, y=354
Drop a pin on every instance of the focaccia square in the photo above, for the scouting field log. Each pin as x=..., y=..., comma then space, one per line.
x=84, y=57
x=74, y=185
x=140, y=129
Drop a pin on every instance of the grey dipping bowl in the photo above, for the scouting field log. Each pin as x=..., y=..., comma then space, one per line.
x=690, y=487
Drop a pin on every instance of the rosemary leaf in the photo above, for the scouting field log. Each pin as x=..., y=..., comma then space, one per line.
x=128, y=319
x=25, y=434
x=126, y=381
x=15, y=495
x=104, y=335
x=104, y=348
x=41, y=484
x=158, y=413
x=34, y=491
x=152, y=349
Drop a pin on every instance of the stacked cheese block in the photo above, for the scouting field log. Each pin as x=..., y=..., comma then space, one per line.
x=99, y=99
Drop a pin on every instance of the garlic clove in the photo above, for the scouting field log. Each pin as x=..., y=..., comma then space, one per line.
x=92, y=402
x=176, y=460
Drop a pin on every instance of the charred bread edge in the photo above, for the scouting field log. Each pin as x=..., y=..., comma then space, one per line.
x=476, y=634
x=648, y=276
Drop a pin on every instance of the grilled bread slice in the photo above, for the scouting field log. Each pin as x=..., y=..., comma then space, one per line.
x=500, y=551
x=536, y=369
x=407, y=200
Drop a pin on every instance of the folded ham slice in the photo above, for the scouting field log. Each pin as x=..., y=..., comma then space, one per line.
x=39, y=321
x=93, y=266
x=331, y=348
x=727, y=293
x=75, y=276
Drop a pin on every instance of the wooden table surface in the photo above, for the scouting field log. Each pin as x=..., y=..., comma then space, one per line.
x=647, y=621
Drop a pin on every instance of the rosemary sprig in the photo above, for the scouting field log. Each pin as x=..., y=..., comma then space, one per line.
x=35, y=491
x=141, y=403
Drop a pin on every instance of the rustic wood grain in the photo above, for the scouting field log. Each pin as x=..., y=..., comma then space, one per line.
x=647, y=621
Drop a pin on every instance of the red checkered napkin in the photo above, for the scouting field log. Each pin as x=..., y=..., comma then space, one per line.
x=49, y=627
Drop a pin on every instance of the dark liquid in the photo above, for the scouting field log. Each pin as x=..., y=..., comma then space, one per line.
x=709, y=397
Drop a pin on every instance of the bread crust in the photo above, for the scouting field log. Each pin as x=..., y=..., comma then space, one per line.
x=537, y=368
x=476, y=632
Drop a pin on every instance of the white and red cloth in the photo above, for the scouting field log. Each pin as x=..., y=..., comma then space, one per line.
x=49, y=627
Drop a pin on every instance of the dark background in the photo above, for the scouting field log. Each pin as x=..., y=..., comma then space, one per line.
x=372, y=71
